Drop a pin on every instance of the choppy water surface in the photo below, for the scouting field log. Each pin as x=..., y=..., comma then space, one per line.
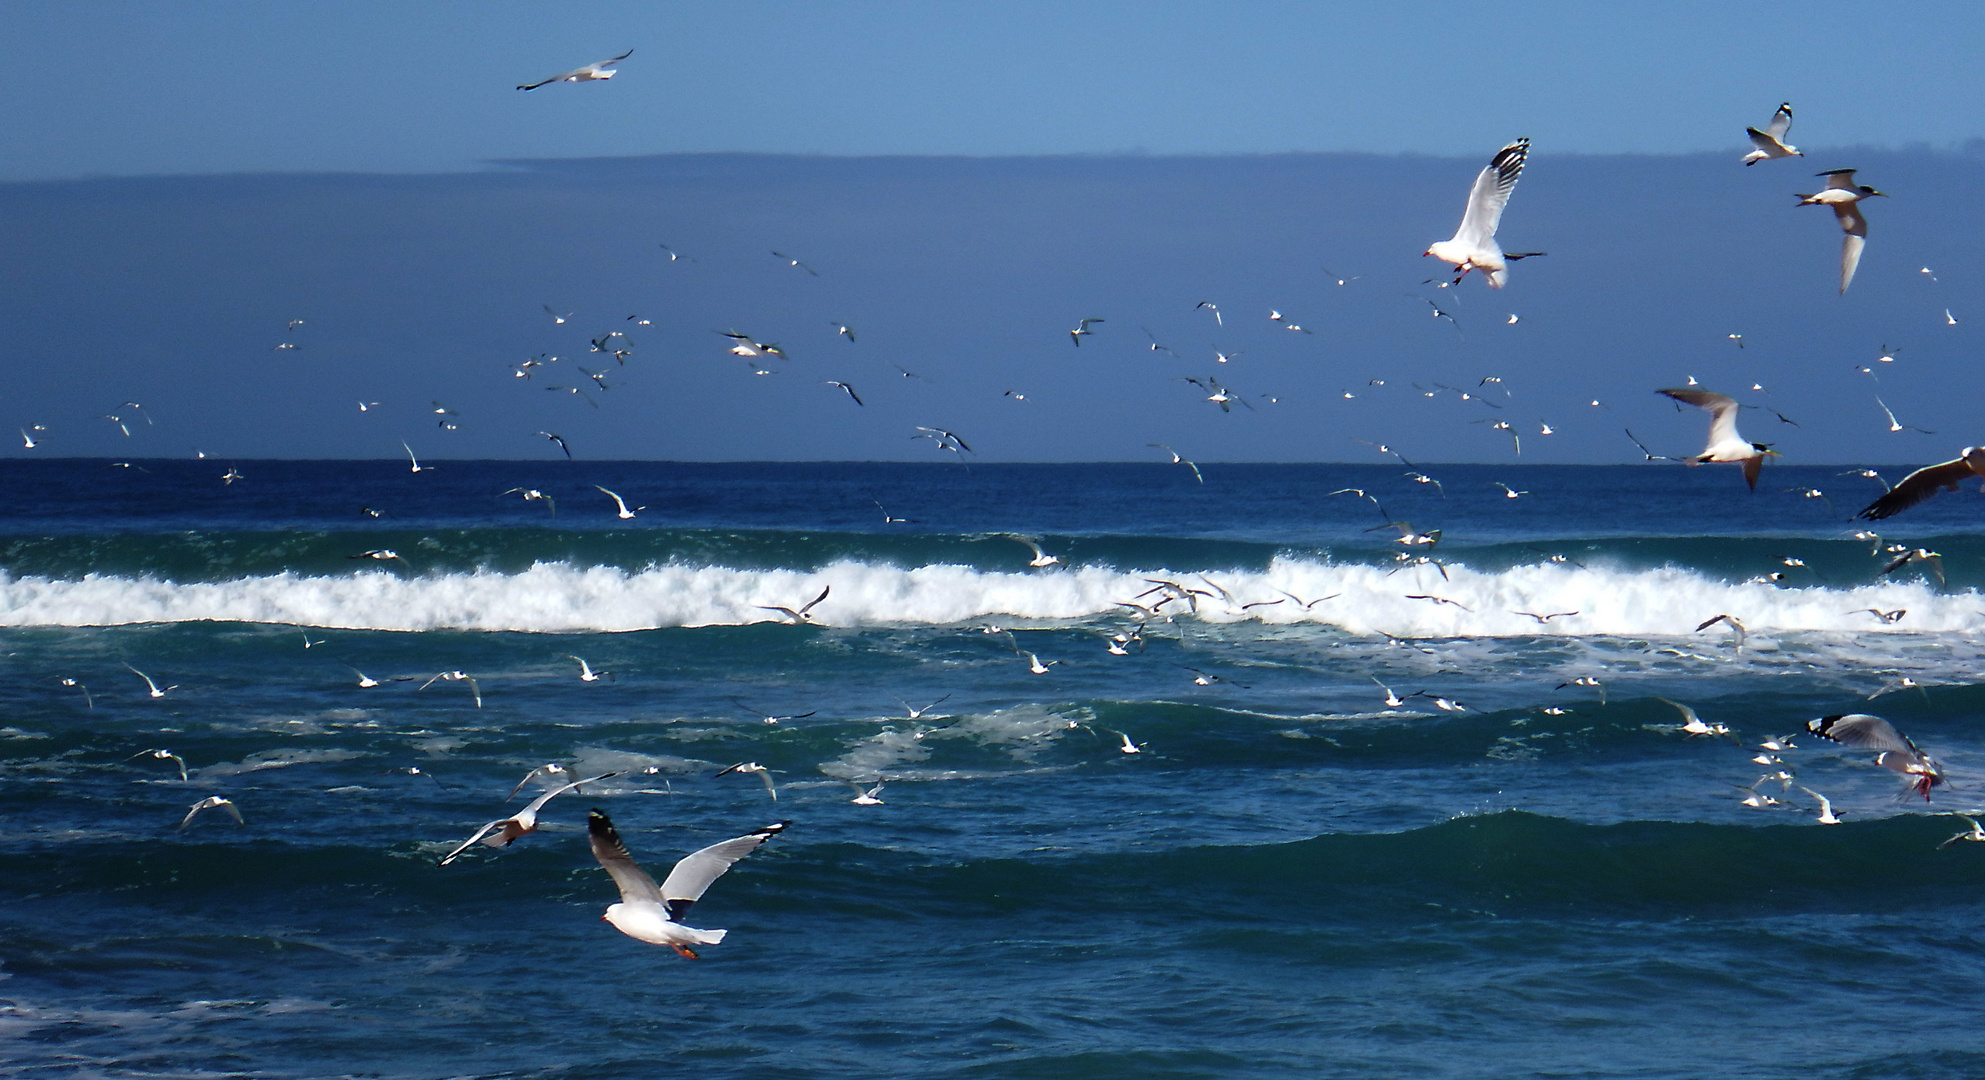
x=1510, y=873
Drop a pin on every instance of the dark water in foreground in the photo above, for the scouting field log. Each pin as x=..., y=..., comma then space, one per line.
x=1291, y=879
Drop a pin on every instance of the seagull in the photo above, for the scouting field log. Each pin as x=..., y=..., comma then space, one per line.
x=365, y=682
x=1890, y=617
x=1897, y=754
x=1731, y=619
x=154, y=687
x=27, y=439
x=1041, y=558
x=593, y=72
x=623, y=513
x=916, y=713
x=1827, y=816
x=870, y=797
x=209, y=803
x=648, y=912
x=1771, y=142
x=1725, y=445
x=1130, y=747
x=1212, y=307
x=504, y=831
x=1692, y=724
x=163, y=755
x=1034, y=664
x=794, y=263
x=417, y=467
x=1844, y=195
x=90, y=703
x=1510, y=492
x=1409, y=537
x=802, y=615
x=534, y=493
x=886, y=519
x=1925, y=482
x=1392, y=700
x=586, y=672
x=1923, y=555
x=1543, y=620
x=753, y=767
x=1177, y=460
x=743, y=345
x=559, y=439
x=1474, y=245
x=856, y=398
x=1219, y=395
x=376, y=553
x=843, y=329
x=772, y=718
x=456, y=676
x=1308, y=605
x=1082, y=330
x=1896, y=425
x=1976, y=833
x=1587, y=680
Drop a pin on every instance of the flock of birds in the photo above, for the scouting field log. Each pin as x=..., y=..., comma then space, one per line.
x=653, y=913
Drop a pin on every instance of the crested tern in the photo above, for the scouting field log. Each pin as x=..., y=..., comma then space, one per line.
x=1725, y=445
x=1844, y=196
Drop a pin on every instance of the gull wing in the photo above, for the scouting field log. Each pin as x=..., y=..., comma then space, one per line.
x=1863, y=731
x=1490, y=194
x=634, y=883
x=1855, y=225
x=810, y=604
x=1920, y=485
x=1722, y=412
x=697, y=870
x=538, y=803
x=471, y=841
x=1781, y=122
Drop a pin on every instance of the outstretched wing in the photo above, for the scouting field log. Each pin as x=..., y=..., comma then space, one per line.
x=1916, y=487
x=696, y=871
x=537, y=804
x=1862, y=731
x=1491, y=193
x=1722, y=411
x=1781, y=122
x=634, y=883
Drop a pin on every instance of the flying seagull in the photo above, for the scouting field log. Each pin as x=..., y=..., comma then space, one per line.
x=1725, y=445
x=559, y=439
x=1897, y=754
x=503, y=831
x=212, y=802
x=1474, y=245
x=648, y=912
x=849, y=390
x=761, y=771
x=590, y=73
x=1844, y=195
x=1925, y=482
x=1082, y=330
x=803, y=614
x=623, y=513
x=1770, y=142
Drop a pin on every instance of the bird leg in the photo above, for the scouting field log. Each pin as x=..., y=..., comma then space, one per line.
x=686, y=952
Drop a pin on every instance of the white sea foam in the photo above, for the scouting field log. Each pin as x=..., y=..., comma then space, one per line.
x=557, y=598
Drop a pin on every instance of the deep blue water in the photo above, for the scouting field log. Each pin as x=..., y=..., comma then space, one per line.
x=1292, y=878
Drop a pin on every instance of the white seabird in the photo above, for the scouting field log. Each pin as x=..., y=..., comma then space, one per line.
x=212, y=802
x=867, y=797
x=803, y=614
x=503, y=831
x=602, y=69
x=1925, y=482
x=1770, y=143
x=623, y=513
x=1897, y=754
x=1725, y=445
x=754, y=768
x=1474, y=244
x=650, y=912
x=1844, y=196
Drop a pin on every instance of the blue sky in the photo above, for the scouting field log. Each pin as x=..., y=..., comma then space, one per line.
x=137, y=88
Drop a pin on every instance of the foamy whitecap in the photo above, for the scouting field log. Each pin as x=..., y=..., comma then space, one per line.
x=559, y=598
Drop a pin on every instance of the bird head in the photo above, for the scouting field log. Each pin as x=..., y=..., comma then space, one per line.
x=1867, y=191
x=1765, y=448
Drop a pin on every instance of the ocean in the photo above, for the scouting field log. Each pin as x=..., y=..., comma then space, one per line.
x=1523, y=868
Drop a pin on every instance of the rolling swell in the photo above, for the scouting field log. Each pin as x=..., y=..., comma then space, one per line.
x=1507, y=862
